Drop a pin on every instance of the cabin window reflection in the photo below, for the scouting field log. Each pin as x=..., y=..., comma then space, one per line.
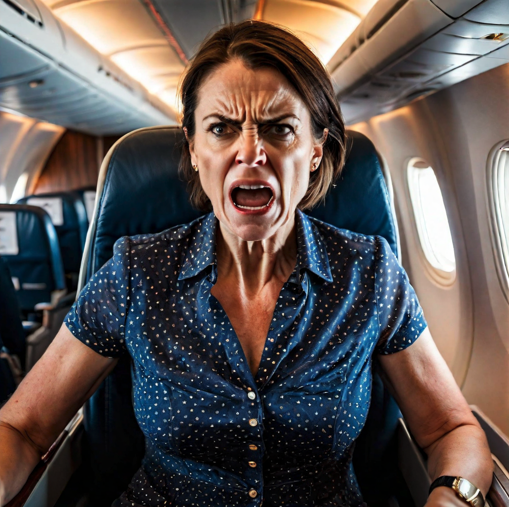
x=498, y=191
x=431, y=219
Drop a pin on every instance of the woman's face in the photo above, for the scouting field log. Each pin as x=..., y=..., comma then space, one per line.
x=254, y=149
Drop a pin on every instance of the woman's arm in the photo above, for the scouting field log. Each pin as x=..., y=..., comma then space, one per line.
x=439, y=418
x=57, y=386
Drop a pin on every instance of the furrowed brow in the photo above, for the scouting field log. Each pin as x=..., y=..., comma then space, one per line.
x=277, y=119
x=223, y=119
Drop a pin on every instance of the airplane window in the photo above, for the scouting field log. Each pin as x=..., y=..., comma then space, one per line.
x=498, y=190
x=430, y=216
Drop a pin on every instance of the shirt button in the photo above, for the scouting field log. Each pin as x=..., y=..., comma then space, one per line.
x=253, y=422
x=253, y=447
x=252, y=464
x=253, y=493
x=251, y=395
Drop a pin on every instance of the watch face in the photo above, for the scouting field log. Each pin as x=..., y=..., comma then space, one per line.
x=468, y=492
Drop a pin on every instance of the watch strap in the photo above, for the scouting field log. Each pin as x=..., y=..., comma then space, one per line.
x=462, y=487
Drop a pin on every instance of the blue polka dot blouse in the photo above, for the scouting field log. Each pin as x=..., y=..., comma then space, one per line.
x=216, y=436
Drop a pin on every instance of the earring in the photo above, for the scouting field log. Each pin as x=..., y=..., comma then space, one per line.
x=315, y=165
x=195, y=167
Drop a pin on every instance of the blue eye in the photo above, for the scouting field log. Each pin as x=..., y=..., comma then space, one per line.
x=220, y=129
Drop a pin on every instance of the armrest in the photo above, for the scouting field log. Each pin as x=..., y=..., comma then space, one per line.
x=40, y=307
x=30, y=326
x=34, y=480
x=412, y=462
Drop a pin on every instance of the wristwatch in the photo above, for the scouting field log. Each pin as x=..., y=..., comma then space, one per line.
x=463, y=488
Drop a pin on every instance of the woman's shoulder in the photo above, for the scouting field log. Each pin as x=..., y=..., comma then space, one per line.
x=176, y=237
x=337, y=238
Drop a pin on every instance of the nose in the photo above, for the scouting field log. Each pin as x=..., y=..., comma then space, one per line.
x=250, y=151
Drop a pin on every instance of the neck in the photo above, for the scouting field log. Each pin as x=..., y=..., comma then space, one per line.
x=254, y=264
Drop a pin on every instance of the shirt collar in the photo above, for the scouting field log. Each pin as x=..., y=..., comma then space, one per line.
x=202, y=251
x=311, y=251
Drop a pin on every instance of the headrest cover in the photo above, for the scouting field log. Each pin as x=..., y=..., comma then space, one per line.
x=66, y=209
x=140, y=192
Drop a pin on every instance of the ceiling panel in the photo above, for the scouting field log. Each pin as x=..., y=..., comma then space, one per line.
x=152, y=39
x=323, y=26
x=160, y=66
x=112, y=25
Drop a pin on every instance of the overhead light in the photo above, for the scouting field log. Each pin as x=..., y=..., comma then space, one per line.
x=498, y=37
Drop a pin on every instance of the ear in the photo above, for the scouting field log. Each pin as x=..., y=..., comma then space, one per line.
x=190, y=144
x=318, y=150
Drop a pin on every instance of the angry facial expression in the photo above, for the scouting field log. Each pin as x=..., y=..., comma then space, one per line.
x=254, y=149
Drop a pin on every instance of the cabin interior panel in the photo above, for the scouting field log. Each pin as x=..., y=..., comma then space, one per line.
x=455, y=130
x=25, y=144
x=74, y=162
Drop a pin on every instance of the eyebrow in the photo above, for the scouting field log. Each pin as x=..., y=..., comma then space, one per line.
x=237, y=123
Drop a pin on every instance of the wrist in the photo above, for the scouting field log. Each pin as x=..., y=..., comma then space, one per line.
x=444, y=497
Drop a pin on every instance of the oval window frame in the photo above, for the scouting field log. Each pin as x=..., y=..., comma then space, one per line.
x=439, y=276
x=500, y=246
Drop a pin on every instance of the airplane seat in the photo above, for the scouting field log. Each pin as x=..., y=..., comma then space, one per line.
x=12, y=335
x=68, y=213
x=140, y=191
x=29, y=246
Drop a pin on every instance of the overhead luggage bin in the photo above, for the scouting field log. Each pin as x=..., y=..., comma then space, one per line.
x=416, y=48
x=49, y=72
x=456, y=8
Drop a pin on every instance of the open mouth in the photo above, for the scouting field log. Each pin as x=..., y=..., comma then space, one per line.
x=252, y=197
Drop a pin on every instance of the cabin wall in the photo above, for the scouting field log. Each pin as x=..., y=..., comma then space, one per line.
x=25, y=144
x=455, y=130
x=74, y=163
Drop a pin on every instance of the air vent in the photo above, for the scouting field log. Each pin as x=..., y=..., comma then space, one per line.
x=420, y=93
x=379, y=84
x=119, y=80
x=362, y=96
x=408, y=74
x=27, y=9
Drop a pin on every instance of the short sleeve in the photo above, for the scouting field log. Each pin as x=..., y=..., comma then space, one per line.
x=400, y=315
x=98, y=316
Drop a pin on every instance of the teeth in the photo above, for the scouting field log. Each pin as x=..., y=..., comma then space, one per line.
x=254, y=207
x=251, y=187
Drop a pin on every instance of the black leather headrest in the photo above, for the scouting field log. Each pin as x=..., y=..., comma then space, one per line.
x=140, y=191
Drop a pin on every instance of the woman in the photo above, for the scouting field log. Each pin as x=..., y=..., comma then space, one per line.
x=252, y=329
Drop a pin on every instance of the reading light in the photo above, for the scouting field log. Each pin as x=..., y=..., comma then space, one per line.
x=36, y=83
x=498, y=37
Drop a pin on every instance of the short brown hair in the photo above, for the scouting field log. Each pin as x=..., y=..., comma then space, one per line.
x=261, y=45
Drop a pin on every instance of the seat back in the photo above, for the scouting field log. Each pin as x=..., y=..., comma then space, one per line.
x=87, y=195
x=29, y=245
x=140, y=191
x=12, y=336
x=69, y=216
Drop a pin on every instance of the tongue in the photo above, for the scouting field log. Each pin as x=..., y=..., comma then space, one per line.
x=252, y=198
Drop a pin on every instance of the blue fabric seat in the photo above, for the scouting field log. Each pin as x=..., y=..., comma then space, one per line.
x=36, y=267
x=71, y=229
x=140, y=191
x=12, y=335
